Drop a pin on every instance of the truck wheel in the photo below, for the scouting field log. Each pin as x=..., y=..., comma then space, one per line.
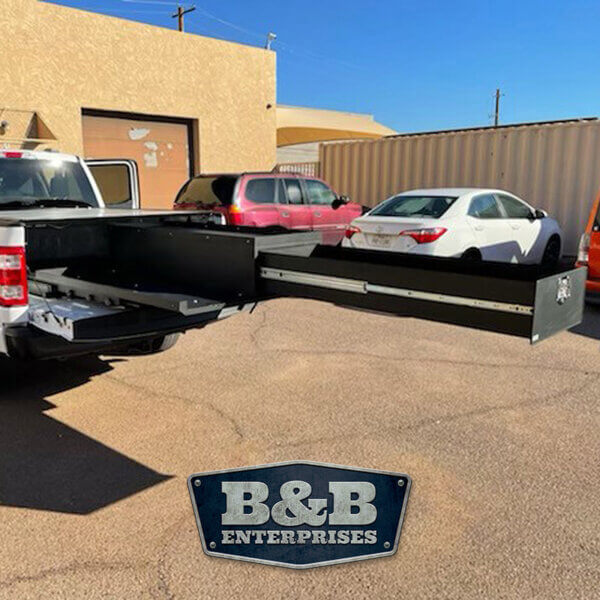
x=165, y=342
x=152, y=346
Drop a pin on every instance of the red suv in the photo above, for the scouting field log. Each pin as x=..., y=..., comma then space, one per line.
x=274, y=200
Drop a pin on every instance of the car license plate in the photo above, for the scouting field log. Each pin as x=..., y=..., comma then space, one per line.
x=381, y=241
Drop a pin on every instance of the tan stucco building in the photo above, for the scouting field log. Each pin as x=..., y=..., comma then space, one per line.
x=103, y=87
x=178, y=104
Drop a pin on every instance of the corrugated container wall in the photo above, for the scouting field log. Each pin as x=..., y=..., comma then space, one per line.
x=554, y=166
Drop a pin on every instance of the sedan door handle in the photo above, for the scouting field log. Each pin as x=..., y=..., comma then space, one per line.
x=285, y=214
x=317, y=214
x=478, y=227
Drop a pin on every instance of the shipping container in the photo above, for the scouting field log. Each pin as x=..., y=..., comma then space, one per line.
x=554, y=166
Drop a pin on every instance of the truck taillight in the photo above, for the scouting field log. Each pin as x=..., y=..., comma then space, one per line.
x=13, y=277
x=583, y=255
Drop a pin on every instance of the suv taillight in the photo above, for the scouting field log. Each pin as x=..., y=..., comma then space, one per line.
x=235, y=214
x=13, y=277
x=583, y=255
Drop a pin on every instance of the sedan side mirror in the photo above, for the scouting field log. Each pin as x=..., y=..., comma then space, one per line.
x=339, y=201
x=540, y=214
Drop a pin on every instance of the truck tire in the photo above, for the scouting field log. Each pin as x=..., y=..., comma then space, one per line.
x=166, y=342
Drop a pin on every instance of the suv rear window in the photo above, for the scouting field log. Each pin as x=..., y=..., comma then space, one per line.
x=208, y=192
x=414, y=206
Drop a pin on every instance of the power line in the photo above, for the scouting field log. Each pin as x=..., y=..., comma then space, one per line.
x=150, y=2
x=302, y=53
x=230, y=24
x=128, y=11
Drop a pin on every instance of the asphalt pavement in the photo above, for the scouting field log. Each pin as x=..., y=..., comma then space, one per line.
x=502, y=441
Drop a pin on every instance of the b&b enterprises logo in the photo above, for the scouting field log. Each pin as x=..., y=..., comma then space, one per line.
x=299, y=514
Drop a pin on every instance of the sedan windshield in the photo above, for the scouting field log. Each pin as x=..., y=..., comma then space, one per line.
x=414, y=206
x=26, y=181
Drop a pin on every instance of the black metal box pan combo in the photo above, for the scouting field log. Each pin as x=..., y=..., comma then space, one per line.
x=520, y=300
x=176, y=273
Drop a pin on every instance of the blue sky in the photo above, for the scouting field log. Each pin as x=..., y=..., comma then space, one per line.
x=416, y=65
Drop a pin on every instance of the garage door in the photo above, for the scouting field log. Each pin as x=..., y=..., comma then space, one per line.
x=160, y=148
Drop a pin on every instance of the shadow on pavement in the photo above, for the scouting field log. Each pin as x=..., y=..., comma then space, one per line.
x=47, y=465
x=590, y=326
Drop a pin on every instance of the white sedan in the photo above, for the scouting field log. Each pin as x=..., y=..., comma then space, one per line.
x=469, y=223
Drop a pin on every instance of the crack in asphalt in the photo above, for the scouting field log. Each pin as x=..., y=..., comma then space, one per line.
x=261, y=325
x=466, y=363
x=235, y=426
x=441, y=420
x=71, y=569
x=358, y=353
x=161, y=571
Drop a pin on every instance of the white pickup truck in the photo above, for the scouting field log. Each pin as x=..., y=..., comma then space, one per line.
x=52, y=215
x=77, y=277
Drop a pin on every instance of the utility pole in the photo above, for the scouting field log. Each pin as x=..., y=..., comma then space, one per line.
x=497, y=111
x=179, y=14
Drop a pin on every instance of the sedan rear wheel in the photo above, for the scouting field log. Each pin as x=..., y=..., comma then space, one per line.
x=471, y=255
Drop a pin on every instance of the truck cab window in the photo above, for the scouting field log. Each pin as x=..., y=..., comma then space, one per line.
x=113, y=181
x=30, y=180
